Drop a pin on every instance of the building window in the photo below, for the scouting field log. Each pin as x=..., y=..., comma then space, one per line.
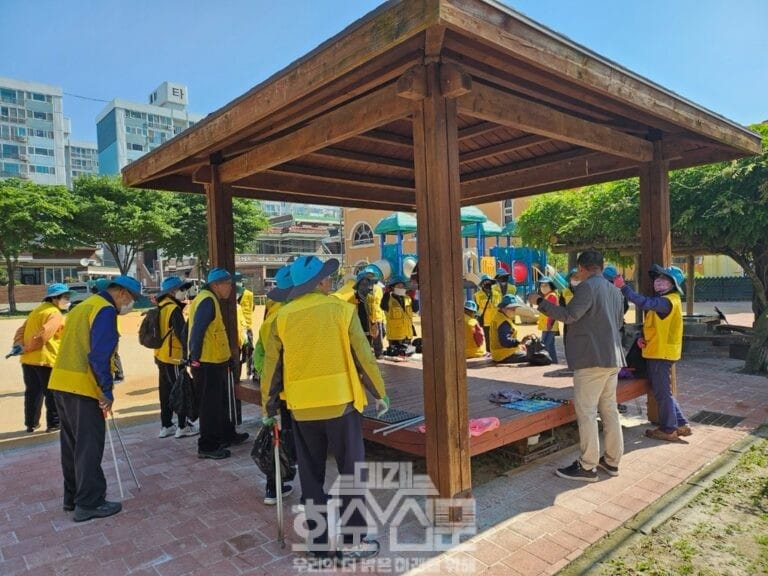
x=362, y=236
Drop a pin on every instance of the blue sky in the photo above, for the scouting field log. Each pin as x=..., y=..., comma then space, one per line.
x=714, y=52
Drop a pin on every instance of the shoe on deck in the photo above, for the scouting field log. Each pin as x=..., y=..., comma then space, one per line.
x=188, y=430
x=165, y=432
x=362, y=551
x=238, y=438
x=270, y=497
x=106, y=509
x=684, y=430
x=607, y=468
x=576, y=472
x=218, y=454
x=659, y=434
x=68, y=507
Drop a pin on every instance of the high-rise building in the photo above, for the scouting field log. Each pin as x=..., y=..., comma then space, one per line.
x=32, y=130
x=80, y=158
x=127, y=130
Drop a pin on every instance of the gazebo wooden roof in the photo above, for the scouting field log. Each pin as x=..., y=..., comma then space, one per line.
x=426, y=106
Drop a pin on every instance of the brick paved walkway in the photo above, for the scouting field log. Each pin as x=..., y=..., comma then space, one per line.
x=205, y=517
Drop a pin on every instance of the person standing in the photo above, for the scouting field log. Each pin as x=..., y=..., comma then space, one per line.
x=662, y=345
x=376, y=315
x=82, y=379
x=474, y=338
x=487, y=300
x=318, y=357
x=210, y=360
x=502, y=286
x=548, y=326
x=170, y=300
x=38, y=341
x=593, y=351
x=245, y=300
x=400, y=309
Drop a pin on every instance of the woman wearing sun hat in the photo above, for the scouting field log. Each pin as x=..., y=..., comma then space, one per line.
x=474, y=337
x=38, y=340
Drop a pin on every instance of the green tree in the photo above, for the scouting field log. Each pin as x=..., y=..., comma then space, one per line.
x=188, y=215
x=721, y=208
x=33, y=217
x=126, y=220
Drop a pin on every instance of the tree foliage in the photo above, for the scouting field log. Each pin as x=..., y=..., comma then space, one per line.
x=33, y=217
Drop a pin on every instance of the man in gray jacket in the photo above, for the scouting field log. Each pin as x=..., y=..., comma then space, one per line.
x=594, y=353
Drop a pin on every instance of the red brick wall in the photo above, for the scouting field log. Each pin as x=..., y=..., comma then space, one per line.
x=23, y=293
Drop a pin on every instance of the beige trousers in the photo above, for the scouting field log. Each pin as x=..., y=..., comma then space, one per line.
x=594, y=390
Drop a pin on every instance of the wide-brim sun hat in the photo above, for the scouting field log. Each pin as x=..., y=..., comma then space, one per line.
x=307, y=272
x=510, y=301
x=610, y=272
x=129, y=283
x=283, y=285
x=397, y=279
x=487, y=278
x=218, y=275
x=57, y=289
x=501, y=272
x=172, y=284
x=470, y=305
x=672, y=272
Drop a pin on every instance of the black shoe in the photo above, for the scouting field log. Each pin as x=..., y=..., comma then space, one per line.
x=607, y=468
x=237, y=439
x=53, y=428
x=106, y=509
x=31, y=429
x=218, y=454
x=68, y=507
x=576, y=472
x=270, y=495
x=362, y=551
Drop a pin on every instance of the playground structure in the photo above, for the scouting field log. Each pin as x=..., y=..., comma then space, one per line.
x=525, y=265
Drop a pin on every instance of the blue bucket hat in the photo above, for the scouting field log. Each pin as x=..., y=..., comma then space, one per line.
x=510, y=300
x=218, y=275
x=397, y=279
x=283, y=285
x=672, y=272
x=102, y=284
x=129, y=283
x=238, y=276
x=57, y=289
x=610, y=272
x=171, y=284
x=373, y=270
x=470, y=305
x=501, y=272
x=486, y=278
x=307, y=272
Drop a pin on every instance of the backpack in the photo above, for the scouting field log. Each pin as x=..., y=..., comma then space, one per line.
x=150, y=334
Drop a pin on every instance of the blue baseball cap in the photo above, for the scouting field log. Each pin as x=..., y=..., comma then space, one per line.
x=218, y=275
x=171, y=284
x=57, y=289
x=307, y=272
x=129, y=283
x=283, y=285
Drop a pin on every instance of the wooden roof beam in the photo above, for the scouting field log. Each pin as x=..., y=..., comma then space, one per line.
x=507, y=109
x=361, y=158
x=365, y=113
x=346, y=178
x=378, y=203
x=503, y=148
x=381, y=136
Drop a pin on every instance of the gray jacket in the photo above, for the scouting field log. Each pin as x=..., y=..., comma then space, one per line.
x=594, y=317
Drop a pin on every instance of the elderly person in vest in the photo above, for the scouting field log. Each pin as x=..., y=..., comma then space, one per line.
x=502, y=286
x=549, y=326
x=173, y=292
x=662, y=345
x=210, y=359
x=38, y=341
x=318, y=357
x=505, y=346
x=245, y=304
x=83, y=381
x=474, y=338
x=487, y=299
x=400, y=309
x=376, y=315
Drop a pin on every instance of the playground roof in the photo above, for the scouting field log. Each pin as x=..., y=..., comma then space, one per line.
x=510, y=228
x=396, y=222
x=470, y=214
x=487, y=228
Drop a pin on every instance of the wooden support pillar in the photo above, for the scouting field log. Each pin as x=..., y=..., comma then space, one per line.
x=690, y=285
x=221, y=244
x=655, y=233
x=436, y=162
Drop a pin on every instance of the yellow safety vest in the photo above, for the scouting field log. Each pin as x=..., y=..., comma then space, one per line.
x=171, y=351
x=541, y=323
x=481, y=298
x=246, y=302
x=45, y=356
x=241, y=325
x=511, y=289
x=346, y=292
x=499, y=352
x=318, y=367
x=266, y=326
x=215, y=342
x=399, y=320
x=72, y=371
x=375, y=313
x=471, y=350
x=664, y=337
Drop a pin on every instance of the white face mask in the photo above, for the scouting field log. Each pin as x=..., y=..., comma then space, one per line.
x=180, y=295
x=399, y=291
x=575, y=283
x=64, y=305
x=125, y=308
x=661, y=285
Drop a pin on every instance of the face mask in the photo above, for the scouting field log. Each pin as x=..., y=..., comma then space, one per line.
x=662, y=285
x=125, y=308
x=575, y=283
x=64, y=305
x=486, y=287
x=545, y=289
x=180, y=295
x=399, y=291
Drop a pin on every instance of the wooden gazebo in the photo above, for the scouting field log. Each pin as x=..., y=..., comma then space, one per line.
x=427, y=106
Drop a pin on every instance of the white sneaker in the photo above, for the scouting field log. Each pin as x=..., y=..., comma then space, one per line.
x=188, y=430
x=165, y=432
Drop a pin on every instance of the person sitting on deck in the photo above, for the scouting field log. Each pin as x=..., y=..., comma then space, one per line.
x=474, y=338
x=505, y=347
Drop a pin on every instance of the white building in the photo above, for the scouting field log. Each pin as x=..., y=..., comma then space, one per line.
x=127, y=130
x=80, y=158
x=32, y=132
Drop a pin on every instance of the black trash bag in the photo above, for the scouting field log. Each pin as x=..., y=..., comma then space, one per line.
x=263, y=453
x=535, y=352
x=182, y=398
x=636, y=362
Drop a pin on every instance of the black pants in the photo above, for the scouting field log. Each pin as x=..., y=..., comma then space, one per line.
x=487, y=332
x=35, y=390
x=167, y=374
x=344, y=436
x=82, y=446
x=211, y=384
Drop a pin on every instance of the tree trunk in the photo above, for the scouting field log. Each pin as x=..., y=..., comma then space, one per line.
x=10, y=265
x=757, y=356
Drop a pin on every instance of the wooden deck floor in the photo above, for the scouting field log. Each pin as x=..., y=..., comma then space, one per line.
x=404, y=387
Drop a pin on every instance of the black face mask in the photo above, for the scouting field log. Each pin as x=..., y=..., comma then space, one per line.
x=485, y=287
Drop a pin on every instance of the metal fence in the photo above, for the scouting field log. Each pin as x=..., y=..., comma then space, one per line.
x=723, y=288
